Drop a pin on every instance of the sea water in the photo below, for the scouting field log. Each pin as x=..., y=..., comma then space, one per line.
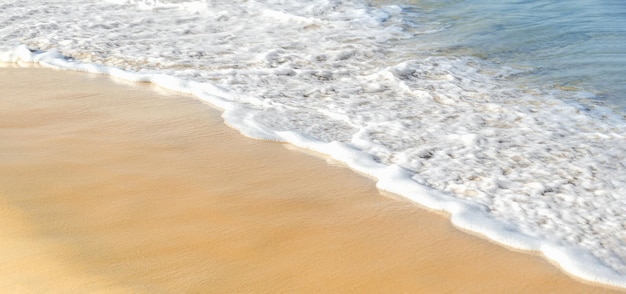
x=579, y=45
x=509, y=116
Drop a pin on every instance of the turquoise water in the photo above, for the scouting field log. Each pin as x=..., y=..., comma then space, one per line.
x=574, y=45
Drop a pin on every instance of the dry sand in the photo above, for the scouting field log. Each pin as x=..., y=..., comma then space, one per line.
x=109, y=187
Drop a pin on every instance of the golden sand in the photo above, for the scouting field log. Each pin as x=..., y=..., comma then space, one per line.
x=108, y=187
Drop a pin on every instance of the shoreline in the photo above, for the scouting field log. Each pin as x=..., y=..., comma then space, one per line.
x=305, y=226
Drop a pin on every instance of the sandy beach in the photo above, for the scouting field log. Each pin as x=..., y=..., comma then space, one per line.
x=111, y=187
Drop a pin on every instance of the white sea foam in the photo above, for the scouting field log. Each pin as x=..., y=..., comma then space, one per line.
x=517, y=165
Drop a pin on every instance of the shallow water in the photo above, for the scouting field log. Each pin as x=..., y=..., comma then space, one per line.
x=424, y=97
x=576, y=45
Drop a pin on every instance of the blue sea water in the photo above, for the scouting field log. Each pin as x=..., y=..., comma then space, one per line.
x=575, y=45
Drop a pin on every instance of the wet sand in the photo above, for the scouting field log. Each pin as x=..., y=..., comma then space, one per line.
x=110, y=187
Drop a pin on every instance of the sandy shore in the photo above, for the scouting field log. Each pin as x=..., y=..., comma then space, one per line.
x=109, y=187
